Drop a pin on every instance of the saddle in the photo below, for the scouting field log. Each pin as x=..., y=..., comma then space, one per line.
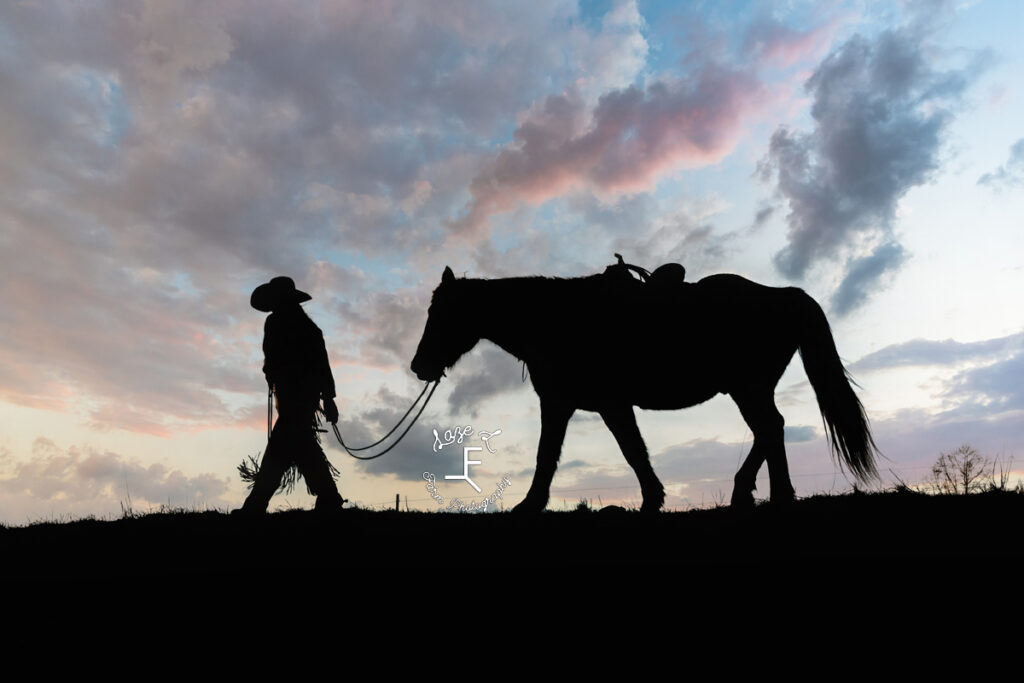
x=664, y=276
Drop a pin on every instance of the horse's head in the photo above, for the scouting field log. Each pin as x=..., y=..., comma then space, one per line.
x=446, y=337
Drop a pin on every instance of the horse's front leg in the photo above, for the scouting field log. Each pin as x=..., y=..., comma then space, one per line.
x=622, y=423
x=554, y=418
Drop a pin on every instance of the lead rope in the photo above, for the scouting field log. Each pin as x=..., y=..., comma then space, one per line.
x=353, y=451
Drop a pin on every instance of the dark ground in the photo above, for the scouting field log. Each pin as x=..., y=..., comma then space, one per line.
x=892, y=525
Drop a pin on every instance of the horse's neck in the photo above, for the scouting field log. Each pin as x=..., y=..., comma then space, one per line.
x=504, y=309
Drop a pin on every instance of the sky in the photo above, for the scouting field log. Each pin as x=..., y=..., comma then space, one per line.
x=159, y=160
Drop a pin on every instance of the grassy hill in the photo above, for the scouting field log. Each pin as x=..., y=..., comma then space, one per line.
x=893, y=524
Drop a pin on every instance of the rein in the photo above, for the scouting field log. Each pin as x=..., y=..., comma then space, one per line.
x=353, y=451
x=337, y=434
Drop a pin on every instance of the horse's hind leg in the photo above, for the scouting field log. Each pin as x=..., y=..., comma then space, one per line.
x=554, y=418
x=765, y=421
x=622, y=424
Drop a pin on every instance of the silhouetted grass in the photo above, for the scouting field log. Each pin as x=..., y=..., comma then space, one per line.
x=900, y=523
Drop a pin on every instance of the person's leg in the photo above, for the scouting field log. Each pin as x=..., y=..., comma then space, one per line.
x=309, y=456
x=321, y=482
x=272, y=467
x=293, y=425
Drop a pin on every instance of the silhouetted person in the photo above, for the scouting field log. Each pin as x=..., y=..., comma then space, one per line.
x=297, y=370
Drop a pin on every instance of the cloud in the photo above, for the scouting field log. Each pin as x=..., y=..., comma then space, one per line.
x=169, y=158
x=693, y=464
x=988, y=386
x=410, y=458
x=620, y=216
x=922, y=352
x=700, y=459
x=881, y=109
x=990, y=389
x=914, y=439
x=771, y=41
x=624, y=144
x=77, y=480
x=414, y=455
x=682, y=232
x=1009, y=174
x=382, y=329
x=379, y=413
x=678, y=240
x=983, y=394
x=693, y=472
x=800, y=433
x=763, y=215
x=615, y=55
x=481, y=376
x=864, y=274
x=121, y=344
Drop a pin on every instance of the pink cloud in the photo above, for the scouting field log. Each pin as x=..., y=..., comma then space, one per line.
x=631, y=138
x=129, y=352
x=783, y=46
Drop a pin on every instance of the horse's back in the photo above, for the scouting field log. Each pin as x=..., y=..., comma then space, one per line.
x=664, y=347
x=730, y=284
x=726, y=301
x=729, y=332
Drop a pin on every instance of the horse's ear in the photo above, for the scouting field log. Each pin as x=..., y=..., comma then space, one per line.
x=447, y=275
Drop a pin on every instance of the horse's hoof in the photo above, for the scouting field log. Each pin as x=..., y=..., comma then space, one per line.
x=742, y=501
x=652, y=500
x=528, y=507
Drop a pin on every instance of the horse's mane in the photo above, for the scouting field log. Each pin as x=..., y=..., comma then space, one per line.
x=596, y=281
x=543, y=292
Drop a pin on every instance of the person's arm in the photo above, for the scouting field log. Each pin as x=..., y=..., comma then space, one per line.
x=327, y=384
x=270, y=354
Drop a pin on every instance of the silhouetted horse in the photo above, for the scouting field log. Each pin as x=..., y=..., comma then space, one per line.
x=606, y=344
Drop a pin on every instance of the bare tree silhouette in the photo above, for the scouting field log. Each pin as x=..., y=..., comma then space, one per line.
x=962, y=471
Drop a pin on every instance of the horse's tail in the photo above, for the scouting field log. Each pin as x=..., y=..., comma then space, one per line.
x=845, y=420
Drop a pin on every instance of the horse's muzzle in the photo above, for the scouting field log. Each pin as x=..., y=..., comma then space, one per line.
x=425, y=374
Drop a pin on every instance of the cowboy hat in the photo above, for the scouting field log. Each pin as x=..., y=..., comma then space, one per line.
x=277, y=293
